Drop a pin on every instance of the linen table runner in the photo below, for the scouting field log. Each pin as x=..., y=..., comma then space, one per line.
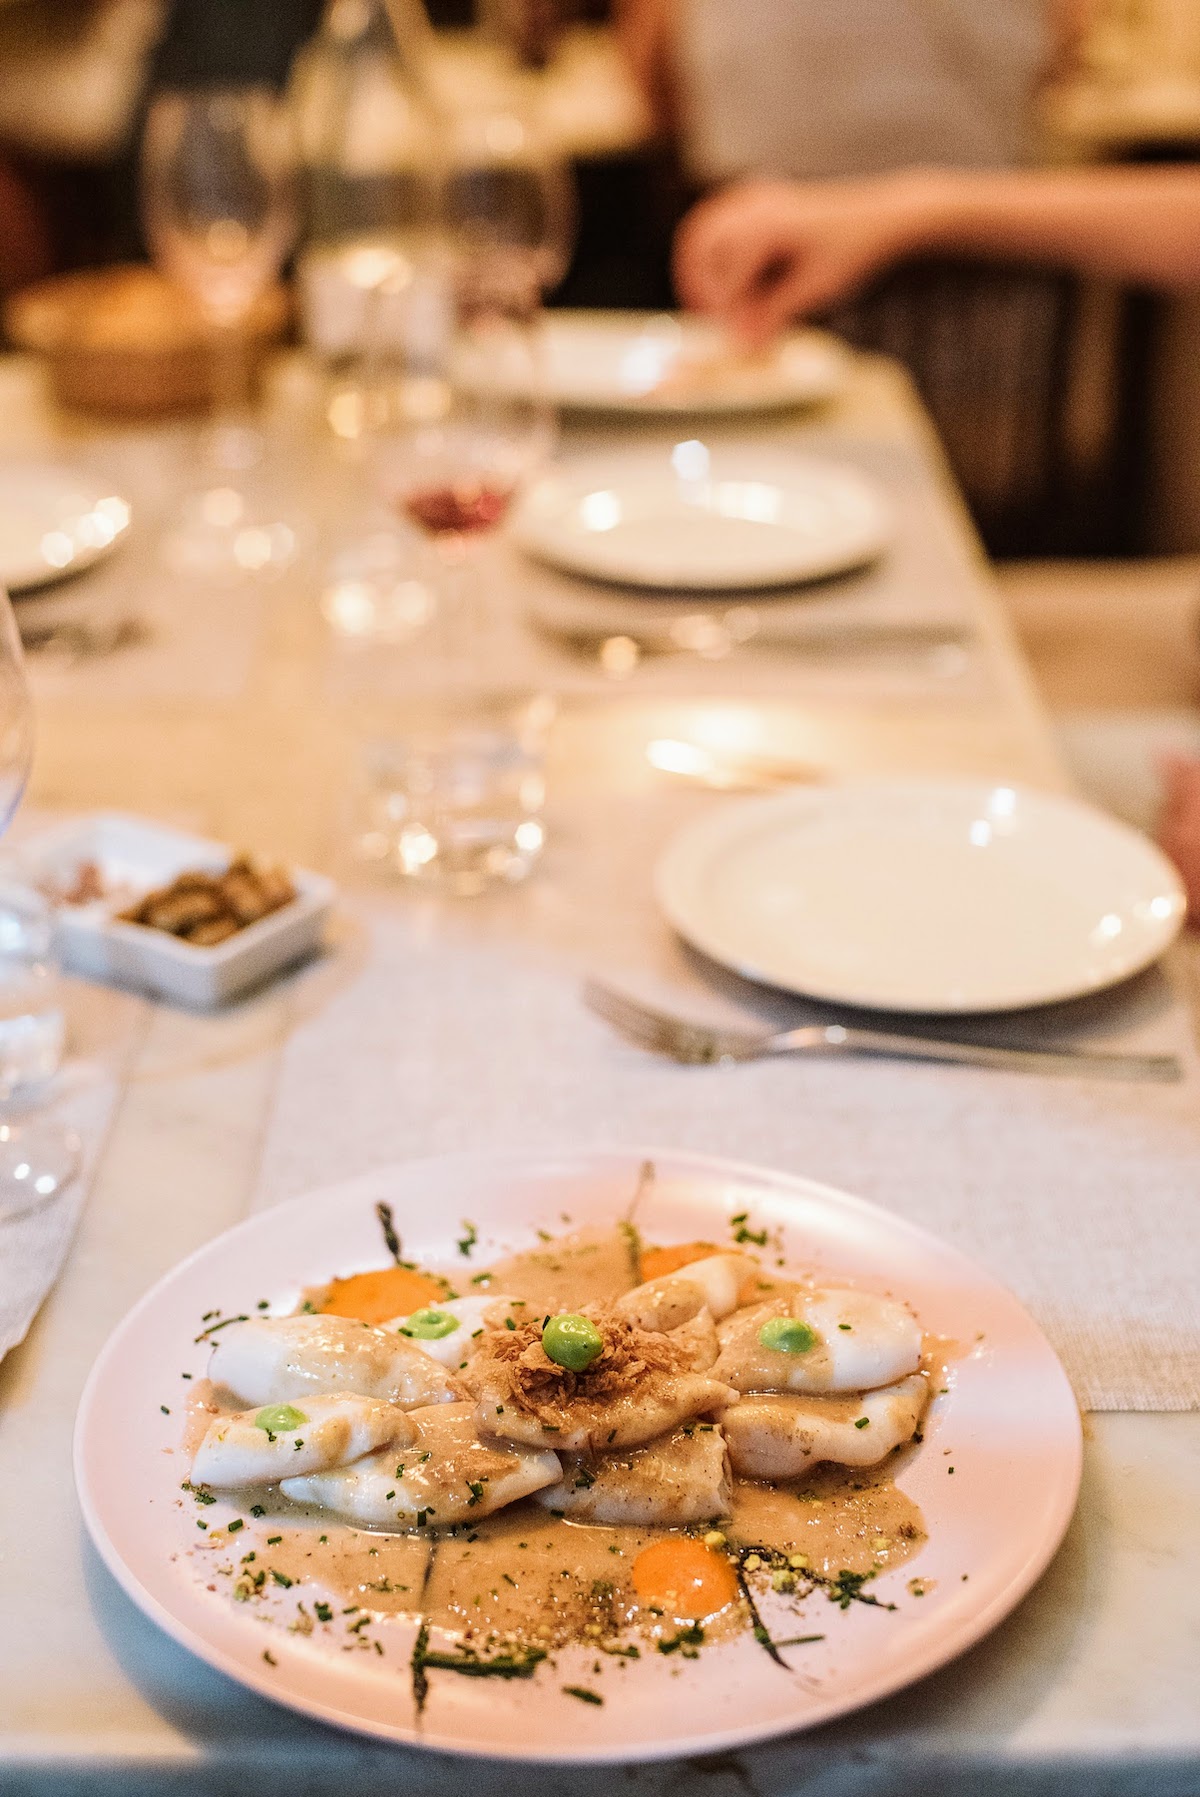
x=447, y=1026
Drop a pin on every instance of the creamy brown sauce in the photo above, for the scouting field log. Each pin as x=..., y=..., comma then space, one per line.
x=839, y=1518
x=526, y=1578
x=384, y=1574
x=939, y=1356
x=531, y=1577
x=590, y=1267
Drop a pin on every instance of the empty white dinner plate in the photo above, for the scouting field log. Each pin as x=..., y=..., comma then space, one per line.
x=1003, y=1420
x=662, y=364
x=699, y=520
x=922, y=895
x=53, y=522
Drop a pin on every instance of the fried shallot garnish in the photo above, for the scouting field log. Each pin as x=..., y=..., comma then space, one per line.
x=513, y=1362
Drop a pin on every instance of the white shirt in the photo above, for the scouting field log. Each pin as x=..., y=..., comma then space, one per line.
x=841, y=87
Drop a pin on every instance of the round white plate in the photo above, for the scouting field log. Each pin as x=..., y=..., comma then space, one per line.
x=921, y=895
x=1007, y=1418
x=664, y=365
x=702, y=521
x=53, y=523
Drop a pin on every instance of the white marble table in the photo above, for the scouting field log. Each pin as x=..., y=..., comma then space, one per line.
x=1089, y=1688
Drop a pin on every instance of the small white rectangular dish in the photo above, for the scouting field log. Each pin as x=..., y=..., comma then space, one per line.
x=133, y=856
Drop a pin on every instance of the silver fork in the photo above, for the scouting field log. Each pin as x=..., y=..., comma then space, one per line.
x=698, y=1044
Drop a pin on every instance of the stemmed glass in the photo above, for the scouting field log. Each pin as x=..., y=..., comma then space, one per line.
x=37, y=1156
x=477, y=425
x=506, y=194
x=452, y=439
x=482, y=423
x=219, y=199
x=505, y=227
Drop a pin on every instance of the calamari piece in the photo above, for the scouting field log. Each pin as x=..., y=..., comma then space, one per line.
x=700, y=1334
x=858, y=1340
x=635, y=1384
x=257, y=1447
x=781, y=1437
x=587, y=1425
x=426, y=1329
x=681, y=1478
x=277, y=1360
x=675, y=1298
x=449, y=1472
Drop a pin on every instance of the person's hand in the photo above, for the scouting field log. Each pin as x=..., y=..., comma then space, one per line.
x=1179, y=825
x=759, y=254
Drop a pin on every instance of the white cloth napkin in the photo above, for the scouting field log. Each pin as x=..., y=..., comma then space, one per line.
x=103, y=1027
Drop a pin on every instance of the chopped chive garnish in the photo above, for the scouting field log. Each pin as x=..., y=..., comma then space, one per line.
x=212, y=1329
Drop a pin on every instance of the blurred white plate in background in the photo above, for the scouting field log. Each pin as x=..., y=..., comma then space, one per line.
x=662, y=364
x=701, y=520
x=53, y=523
x=935, y=896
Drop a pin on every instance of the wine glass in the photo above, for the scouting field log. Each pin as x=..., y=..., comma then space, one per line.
x=477, y=425
x=38, y=1156
x=480, y=425
x=506, y=193
x=218, y=194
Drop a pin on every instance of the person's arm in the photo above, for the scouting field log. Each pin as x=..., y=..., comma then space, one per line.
x=759, y=254
x=645, y=32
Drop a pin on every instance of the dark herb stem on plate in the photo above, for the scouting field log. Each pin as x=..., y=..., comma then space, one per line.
x=391, y=1239
x=520, y=1663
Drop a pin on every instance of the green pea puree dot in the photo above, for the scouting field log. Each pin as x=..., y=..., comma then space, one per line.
x=277, y=1419
x=572, y=1341
x=787, y=1335
x=430, y=1325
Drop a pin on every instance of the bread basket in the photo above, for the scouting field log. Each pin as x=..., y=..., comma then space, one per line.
x=125, y=342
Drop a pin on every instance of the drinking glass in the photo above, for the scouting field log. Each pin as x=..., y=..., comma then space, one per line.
x=454, y=799
x=453, y=468
x=218, y=192
x=478, y=426
x=507, y=196
x=37, y=1155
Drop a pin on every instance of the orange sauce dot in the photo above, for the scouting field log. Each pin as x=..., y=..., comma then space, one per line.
x=683, y=1577
x=377, y=1297
x=656, y=1262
